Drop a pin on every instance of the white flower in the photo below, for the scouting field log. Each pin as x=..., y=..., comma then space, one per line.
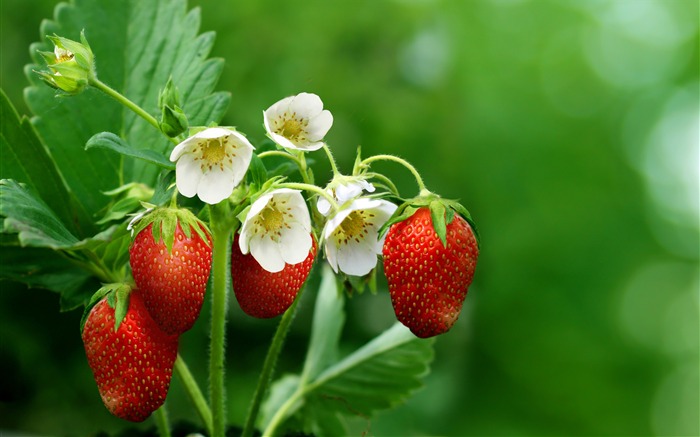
x=298, y=122
x=277, y=230
x=342, y=192
x=351, y=235
x=211, y=163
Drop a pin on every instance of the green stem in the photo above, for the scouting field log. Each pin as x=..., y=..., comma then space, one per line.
x=161, y=417
x=411, y=168
x=221, y=235
x=313, y=189
x=304, y=169
x=331, y=160
x=116, y=95
x=194, y=392
x=281, y=414
x=269, y=366
x=282, y=154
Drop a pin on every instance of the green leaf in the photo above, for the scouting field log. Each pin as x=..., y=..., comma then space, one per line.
x=379, y=375
x=25, y=159
x=328, y=322
x=28, y=215
x=43, y=268
x=139, y=46
x=110, y=141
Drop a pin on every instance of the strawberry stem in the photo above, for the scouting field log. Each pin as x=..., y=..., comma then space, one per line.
x=116, y=95
x=314, y=189
x=408, y=165
x=194, y=393
x=269, y=366
x=331, y=160
x=162, y=423
x=221, y=236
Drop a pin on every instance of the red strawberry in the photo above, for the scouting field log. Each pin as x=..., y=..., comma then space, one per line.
x=132, y=364
x=263, y=294
x=428, y=281
x=172, y=280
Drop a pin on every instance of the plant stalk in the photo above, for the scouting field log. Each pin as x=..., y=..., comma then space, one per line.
x=194, y=393
x=269, y=366
x=408, y=165
x=221, y=235
x=161, y=417
x=116, y=95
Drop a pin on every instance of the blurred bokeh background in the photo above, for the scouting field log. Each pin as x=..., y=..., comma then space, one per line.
x=569, y=129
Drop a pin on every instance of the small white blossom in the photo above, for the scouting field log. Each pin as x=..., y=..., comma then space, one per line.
x=298, y=122
x=351, y=242
x=211, y=163
x=342, y=192
x=277, y=230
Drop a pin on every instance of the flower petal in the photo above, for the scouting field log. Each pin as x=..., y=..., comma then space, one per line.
x=214, y=132
x=295, y=244
x=306, y=105
x=183, y=147
x=357, y=259
x=266, y=252
x=319, y=126
x=215, y=185
x=187, y=175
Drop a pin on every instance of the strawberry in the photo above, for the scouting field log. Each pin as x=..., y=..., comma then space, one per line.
x=263, y=294
x=130, y=356
x=428, y=279
x=171, y=267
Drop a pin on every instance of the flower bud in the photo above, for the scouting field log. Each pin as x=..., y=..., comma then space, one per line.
x=70, y=66
x=173, y=120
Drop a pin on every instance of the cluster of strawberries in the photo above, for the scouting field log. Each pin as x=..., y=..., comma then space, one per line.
x=131, y=338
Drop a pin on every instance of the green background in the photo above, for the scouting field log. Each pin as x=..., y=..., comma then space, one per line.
x=569, y=129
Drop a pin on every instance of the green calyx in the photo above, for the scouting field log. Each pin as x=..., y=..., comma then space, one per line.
x=165, y=221
x=442, y=212
x=117, y=297
x=71, y=65
x=173, y=120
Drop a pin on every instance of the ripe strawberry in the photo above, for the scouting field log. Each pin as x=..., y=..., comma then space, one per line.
x=428, y=281
x=132, y=364
x=172, y=272
x=263, y=294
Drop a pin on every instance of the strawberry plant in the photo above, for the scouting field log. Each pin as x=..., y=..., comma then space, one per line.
x=124, y=176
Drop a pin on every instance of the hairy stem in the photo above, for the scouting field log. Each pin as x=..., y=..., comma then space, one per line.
x=194, y=393
x=331, y=160
x=162, y=423
x=411, y=168
x=116, y=95
x=221, y=235
x=269, y=366
x=313, y=189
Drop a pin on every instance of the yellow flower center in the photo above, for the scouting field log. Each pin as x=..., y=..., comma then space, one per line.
x=291, y=127
x=272, y=219
x=214, y=150
x=354, y=227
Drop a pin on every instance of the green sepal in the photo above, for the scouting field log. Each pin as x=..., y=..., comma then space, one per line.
x=403, y=212
x=117, y=296
x=437, y=214
x=165, y=221
x=173, y=120
x=442, y=212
